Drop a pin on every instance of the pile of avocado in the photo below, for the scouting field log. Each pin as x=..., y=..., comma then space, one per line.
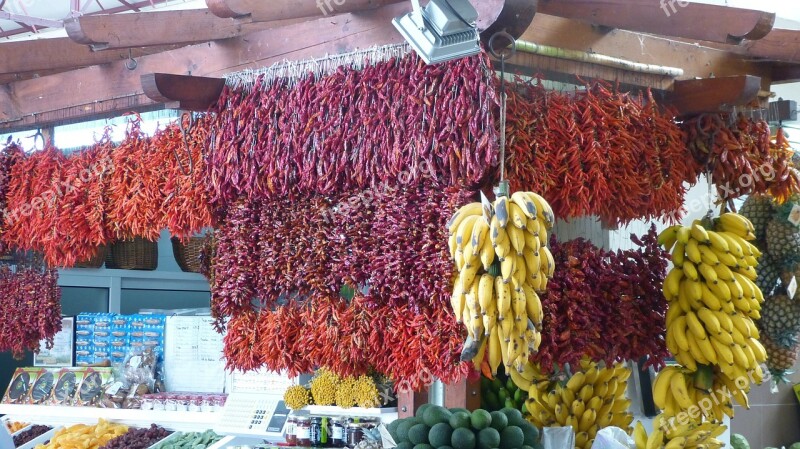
x=435, y=427
x=502, y=392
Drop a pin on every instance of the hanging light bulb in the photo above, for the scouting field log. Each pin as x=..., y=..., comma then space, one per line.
x=442, y=31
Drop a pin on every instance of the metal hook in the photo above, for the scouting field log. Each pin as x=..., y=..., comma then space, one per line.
x=36, y=137
x=131, y=63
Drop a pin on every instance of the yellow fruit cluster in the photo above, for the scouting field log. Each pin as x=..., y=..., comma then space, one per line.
x=327, y=388
x=713, y=300
x=323, y=387
x=503, y=263
x=296, y=397
x=591, y=399
x=668, y=434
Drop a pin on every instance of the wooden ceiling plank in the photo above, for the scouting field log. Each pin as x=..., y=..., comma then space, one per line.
x=36, y=100
x=714, y=94
x=673, y=18
x=21, y=100
x=47, y=55
x=696, y=61
x=266, y=11
x=150, y=28
x=778, y=45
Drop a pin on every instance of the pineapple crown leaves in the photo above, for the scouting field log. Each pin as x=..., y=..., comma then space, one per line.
x=780, y=376
x=787, y=339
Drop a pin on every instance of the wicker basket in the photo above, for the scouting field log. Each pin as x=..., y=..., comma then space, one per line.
x=136, y=254
x=188, y=254
x=96, y=261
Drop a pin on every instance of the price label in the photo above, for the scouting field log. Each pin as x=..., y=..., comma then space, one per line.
x=794, y=215
x=488, y=210
x=792, y=287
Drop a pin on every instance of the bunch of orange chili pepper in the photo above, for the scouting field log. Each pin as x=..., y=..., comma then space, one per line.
x=597, y=151
x=741, y=159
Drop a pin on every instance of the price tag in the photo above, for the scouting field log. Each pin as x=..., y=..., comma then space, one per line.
x=488, y=209
x=794, y=215
x=792, y=287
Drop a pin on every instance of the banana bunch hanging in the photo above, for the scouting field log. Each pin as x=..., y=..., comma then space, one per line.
x=713, y=301
x=501, y=254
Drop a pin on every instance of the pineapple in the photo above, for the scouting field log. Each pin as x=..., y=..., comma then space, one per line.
x=783, y=240
x=768, y=274
x=780, y=359
x=760, y=210
x=780, y=318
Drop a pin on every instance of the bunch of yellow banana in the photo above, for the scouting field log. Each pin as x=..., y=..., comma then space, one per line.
x=669, y=434
x=503, y=263
x=591, y=399
x=712, y=303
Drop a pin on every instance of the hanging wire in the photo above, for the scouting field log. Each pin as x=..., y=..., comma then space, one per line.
x=295, y=71
x=502, y=56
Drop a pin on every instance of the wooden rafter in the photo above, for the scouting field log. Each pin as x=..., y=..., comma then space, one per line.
x=150, y=28
x=112, y=87
x=266, y=11
x=137, y=4
x=696, y=61
x=674, y=18
x=28, y=58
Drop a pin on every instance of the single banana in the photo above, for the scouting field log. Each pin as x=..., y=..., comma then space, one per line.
x=718, y=244
x=678, y=331
x=695, y=326
x=684, y=234
x=545, y=212
x=501, y=210
x=517, y=237
x=680, y=391
x=486, y=254
x=525, y=203
x=486, y=293
x=668, y=237
x=517, y=216
x=699, y=233
x=465, y=211
x=693, y=251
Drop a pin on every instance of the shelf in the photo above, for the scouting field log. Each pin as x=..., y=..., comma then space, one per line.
x=386, y=414
x=55, y=415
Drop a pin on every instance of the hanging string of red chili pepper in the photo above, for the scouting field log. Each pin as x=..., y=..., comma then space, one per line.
x=30, y=306
x=597, y=151
x=66, y=206
x=740, y=157
x=9, y=156
x=606, y=305
x=180, y=146
x=398, y=122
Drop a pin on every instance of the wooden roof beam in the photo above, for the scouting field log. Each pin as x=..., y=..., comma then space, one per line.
x=696, y=61
x=24, y=59
x=154, y=28
x=674, y=18
x=713, y=94
x=267, y=11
